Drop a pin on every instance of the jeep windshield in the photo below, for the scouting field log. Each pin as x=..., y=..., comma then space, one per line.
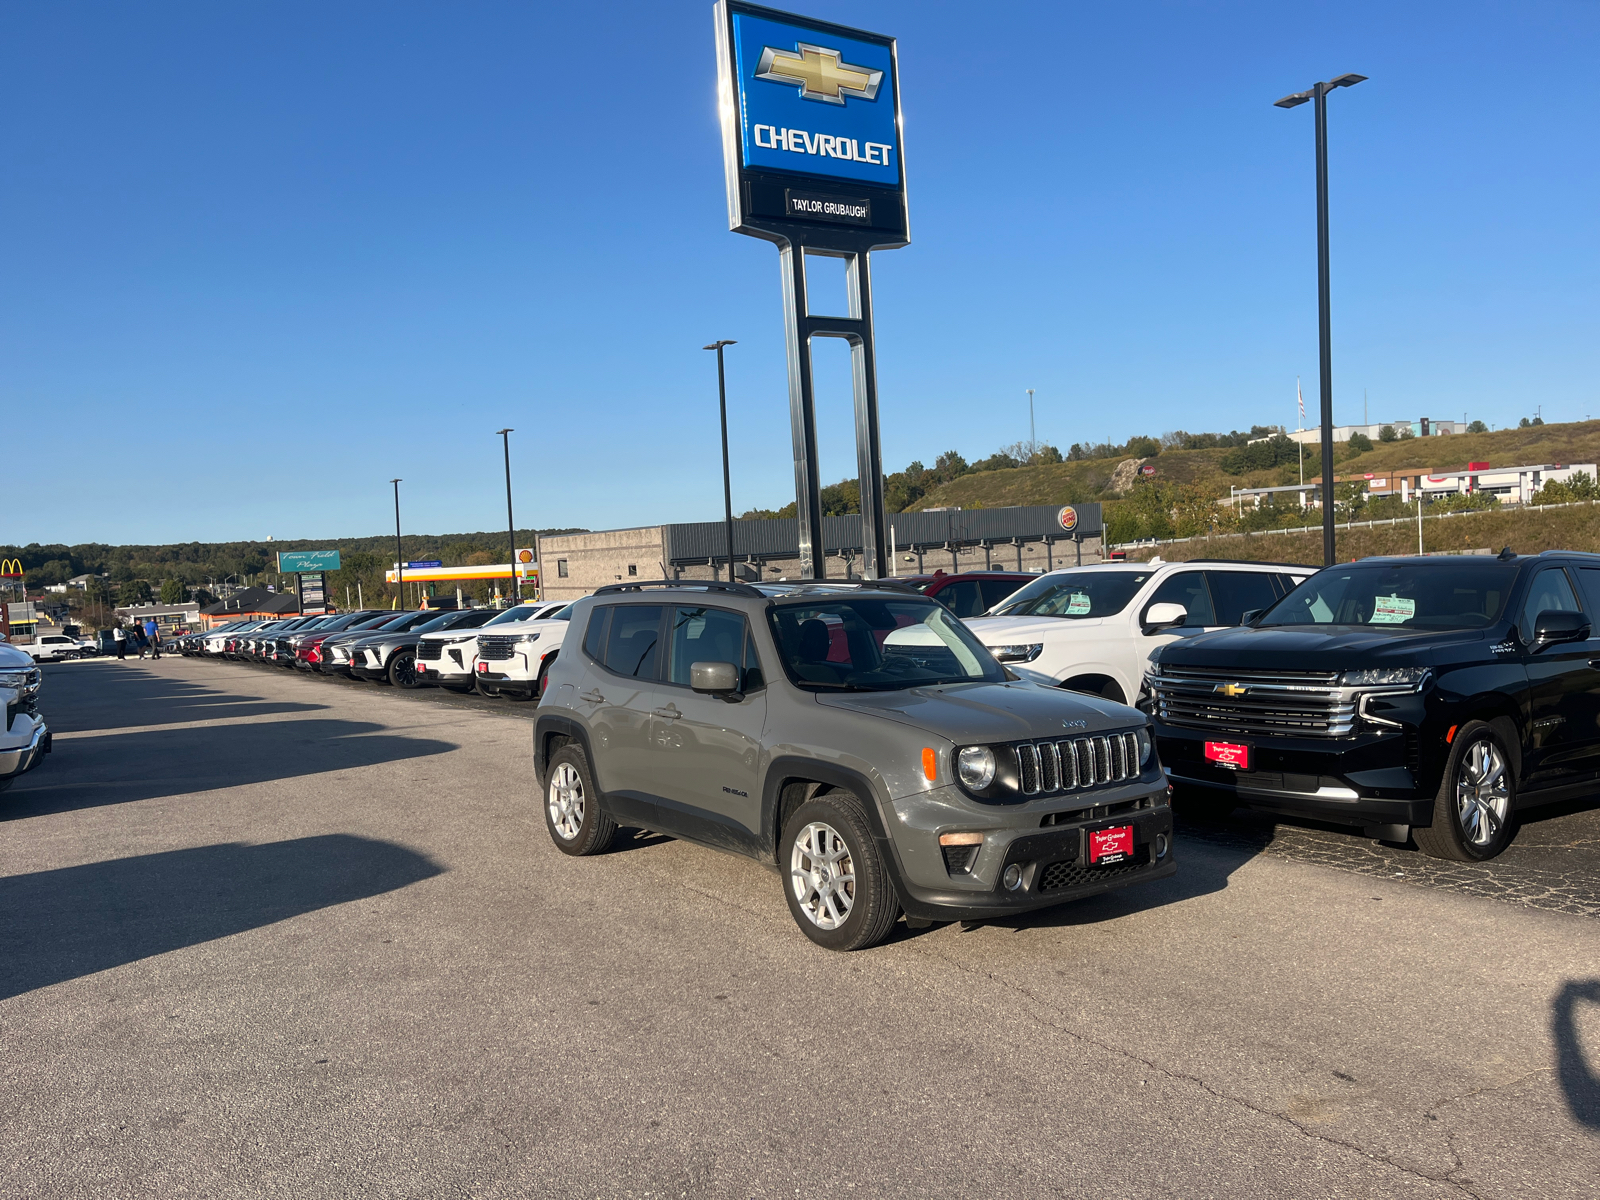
x=870, y=644
x=1075, y=594
x=1463, y=595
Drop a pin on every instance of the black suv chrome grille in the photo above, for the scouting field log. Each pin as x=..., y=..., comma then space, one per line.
x=1258, y=703
x=496, y=649
x=1045, y=767
x=428, y=651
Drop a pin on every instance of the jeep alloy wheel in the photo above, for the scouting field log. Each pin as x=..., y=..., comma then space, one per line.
x=823, y=875
x=566, y=801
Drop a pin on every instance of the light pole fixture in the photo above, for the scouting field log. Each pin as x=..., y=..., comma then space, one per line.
x=399, y=558
x=511, y=524
x=1319, y=94
x=1033, y=437
x=727, y=484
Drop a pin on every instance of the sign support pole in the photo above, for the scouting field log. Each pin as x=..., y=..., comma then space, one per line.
x=799, y=327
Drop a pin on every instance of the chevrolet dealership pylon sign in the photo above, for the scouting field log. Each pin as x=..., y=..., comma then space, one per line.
x=814, y=162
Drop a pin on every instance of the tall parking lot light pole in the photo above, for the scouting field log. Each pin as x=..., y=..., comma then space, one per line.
x=1033, y=437
x=399, y=558
x=1319, y=94
x=727, y=484
x=511, y=524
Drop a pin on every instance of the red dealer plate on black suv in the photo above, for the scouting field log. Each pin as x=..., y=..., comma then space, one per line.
x=1108, y=846
x=1228, y=754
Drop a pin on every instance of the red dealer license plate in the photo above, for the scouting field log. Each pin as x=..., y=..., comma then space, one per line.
x=1108, y=846
x=1227, y=754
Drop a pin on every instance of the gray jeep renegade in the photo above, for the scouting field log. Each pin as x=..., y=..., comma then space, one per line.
x=855, y=735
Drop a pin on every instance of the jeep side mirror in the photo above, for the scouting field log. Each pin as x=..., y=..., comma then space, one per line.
x=1163, y=616
x=1554, y=626
x=714, y=678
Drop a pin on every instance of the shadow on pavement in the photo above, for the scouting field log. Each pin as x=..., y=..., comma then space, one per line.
x=1579, y=1079
x=63, y=924
x=116, y=768
x=126, y=695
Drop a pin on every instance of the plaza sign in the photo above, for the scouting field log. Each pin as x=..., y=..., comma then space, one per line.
x=297, y=562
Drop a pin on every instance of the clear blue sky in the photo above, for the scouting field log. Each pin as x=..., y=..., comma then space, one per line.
x=261, y=258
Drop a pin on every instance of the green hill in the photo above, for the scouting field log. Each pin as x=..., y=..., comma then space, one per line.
x=1097, y=479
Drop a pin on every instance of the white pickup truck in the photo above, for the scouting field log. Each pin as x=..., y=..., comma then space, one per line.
x=24, y=737
x=1092, y=629
x=52, y=647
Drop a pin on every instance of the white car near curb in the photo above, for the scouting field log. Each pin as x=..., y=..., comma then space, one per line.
x=1092, y=629
x=25, y=738
x=449, y=658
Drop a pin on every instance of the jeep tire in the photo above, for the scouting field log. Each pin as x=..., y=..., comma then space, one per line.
x=572, y=812
x=835, y=880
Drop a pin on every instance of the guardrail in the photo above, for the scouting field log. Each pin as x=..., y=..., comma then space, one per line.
x=1245, y=533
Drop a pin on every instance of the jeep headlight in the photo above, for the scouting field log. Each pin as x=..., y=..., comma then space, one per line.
x=1146, y=745
x=1386, y=677
x=1020, y=652
x=975, y=767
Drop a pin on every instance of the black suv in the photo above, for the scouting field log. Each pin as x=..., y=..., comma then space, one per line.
x=1439, y=694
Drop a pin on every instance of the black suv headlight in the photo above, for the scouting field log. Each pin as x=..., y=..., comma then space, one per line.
x=1386, y=677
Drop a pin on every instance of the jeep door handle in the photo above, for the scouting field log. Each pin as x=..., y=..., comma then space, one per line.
x=593, y=696
x=670, y=712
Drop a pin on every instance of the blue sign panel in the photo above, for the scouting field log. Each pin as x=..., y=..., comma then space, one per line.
x=814, y=103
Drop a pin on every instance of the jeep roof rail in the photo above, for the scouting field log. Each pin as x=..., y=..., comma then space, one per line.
x=711, y=585
x=793, y=586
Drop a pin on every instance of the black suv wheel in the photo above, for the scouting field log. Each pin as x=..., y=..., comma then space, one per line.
x=1472, y=815
x=838, y=891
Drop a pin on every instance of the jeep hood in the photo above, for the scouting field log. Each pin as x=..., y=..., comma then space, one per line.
x=972, y=713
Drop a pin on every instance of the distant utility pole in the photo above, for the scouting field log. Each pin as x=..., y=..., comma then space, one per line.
x=1033, y=437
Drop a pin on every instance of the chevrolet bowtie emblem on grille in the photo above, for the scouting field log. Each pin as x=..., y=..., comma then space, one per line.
x=1231, y=690
x=820, y=73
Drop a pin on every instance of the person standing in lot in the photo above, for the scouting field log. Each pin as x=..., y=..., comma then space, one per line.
x=121, y=639
x=152, y=633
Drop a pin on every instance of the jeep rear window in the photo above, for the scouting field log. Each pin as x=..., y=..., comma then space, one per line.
x=1075, y=594
x=869, y=644
x=1399, y=595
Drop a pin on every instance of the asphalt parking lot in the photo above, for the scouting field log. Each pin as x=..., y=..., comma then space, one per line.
x=264, y=935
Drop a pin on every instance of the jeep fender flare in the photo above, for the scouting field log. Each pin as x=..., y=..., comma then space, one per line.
x=793, y=768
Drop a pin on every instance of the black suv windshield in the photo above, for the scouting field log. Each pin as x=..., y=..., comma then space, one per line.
x=1075, y=594
x=870, y=644
x=1462, y=595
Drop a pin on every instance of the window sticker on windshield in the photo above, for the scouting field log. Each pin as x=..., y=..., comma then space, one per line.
x=1078, y=606
x=1392, y=610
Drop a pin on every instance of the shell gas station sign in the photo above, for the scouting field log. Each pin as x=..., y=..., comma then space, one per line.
x=527, y=570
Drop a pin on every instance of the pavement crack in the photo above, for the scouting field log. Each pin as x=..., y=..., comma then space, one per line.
x=1195, y=1080
x=1436, y=1105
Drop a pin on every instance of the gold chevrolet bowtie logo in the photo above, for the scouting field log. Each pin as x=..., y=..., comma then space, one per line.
x=820, y=73
x=1231, y=690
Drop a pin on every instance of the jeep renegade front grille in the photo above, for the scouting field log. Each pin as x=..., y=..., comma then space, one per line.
x=1060, y=876
x=428, y=651
x=1258, y=703
x=1044, y=767
x=496, y=649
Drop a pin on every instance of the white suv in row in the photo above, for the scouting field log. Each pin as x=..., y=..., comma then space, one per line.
x=1092, y=629
x=449, y=658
